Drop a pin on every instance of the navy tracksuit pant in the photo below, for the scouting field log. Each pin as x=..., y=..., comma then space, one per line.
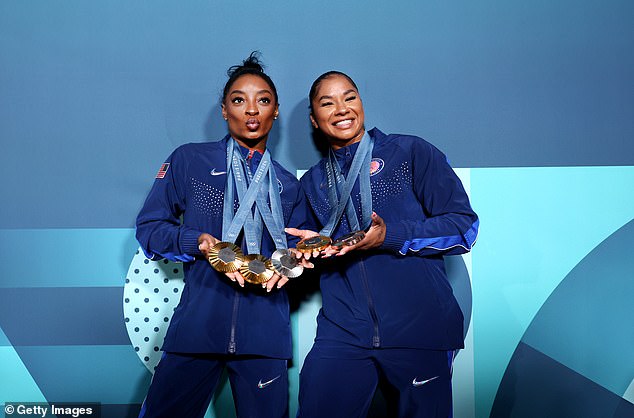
x=339, y=380
x=183, y=385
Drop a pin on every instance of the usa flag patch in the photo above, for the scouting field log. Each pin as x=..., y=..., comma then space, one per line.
x=162, y=171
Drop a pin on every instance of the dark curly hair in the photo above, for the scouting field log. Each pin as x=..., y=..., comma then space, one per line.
x=251, y=65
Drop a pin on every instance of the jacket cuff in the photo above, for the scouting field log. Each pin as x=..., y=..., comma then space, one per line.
x=395, y=236
x=188, y=242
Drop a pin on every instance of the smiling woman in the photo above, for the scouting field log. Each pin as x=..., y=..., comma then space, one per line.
x=389, y=316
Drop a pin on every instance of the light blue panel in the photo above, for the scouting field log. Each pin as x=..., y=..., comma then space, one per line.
x=222, y=405
x=293, y=372
x=3, y=339
x=16, y=384
x=537, y=224
x=66, y=257
x=106, y=374
x=463, y=381
x=307, y=324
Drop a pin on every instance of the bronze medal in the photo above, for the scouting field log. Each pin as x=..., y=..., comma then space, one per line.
x=349, y=239
x=285, y=264
x=225, y=257
x=317, y=243
x=256, y=269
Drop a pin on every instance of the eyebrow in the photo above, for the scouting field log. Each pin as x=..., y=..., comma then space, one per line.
x=344, y=93
x=259, y=92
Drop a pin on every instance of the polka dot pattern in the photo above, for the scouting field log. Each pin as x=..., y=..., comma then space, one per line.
x=151, y=292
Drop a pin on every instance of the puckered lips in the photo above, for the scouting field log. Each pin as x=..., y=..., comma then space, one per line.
x=253, y=124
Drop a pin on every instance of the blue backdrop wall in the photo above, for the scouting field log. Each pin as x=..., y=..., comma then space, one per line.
x=533, y=102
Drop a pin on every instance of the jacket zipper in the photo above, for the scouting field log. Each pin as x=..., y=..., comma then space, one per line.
x=234, y=319
x=376, y=340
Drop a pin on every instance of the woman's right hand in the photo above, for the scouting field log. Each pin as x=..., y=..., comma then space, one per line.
x=205, y=243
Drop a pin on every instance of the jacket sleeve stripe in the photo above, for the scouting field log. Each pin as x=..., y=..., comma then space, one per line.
x=466, y=241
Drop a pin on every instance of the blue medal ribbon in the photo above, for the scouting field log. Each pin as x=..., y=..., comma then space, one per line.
x=340, y=187
x=273, y=217
x=251, y=188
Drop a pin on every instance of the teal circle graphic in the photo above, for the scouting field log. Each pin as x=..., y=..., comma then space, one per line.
x=150, y=296
x=575, y=358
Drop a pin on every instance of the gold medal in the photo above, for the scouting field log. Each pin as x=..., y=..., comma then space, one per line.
x=317, y=243
x=225, y=257
x=285, y=263
x=349, y=239
x=256, y=269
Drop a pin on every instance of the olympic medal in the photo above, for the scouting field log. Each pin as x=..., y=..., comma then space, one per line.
x=349, y=239
x=317, y=243
x=285, y=263
x=225, y=257
x=256, y=269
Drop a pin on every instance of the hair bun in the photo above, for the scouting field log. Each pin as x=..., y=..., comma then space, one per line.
x=252, y=63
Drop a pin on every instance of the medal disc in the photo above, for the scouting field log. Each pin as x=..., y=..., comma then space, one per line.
x=317, y=243
x=286, y=264
x=349, y=239
x=225, y=257
x=256, y=269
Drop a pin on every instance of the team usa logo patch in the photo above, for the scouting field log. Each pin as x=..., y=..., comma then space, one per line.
x=376, y=165
x=163, y=170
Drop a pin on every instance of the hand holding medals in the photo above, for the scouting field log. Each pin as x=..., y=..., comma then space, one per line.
x=373, y=237
x=227, y=258
x=259, y=206
x=315, y=245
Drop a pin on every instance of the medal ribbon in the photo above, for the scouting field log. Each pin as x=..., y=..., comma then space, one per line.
x=247, y=186
x=273, y=217
x=342, y=186
x=251, y=188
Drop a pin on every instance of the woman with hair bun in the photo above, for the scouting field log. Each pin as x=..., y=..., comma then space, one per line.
x=394, y=208
x=220, y=208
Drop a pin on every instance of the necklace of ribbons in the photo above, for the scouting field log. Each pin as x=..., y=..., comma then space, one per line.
x=340, y=187
x=255, y=192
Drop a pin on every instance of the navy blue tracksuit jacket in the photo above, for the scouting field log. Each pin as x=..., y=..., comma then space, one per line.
x=397, y=295
x=215, y=315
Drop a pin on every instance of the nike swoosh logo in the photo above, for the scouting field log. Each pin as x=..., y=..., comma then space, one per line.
x=422, y=382
x=217, y=173
x=262, y=385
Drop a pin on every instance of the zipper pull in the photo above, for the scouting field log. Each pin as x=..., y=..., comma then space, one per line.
x=376, y=343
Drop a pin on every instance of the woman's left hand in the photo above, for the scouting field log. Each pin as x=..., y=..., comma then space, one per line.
x=373, y=238
x=303, y=234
